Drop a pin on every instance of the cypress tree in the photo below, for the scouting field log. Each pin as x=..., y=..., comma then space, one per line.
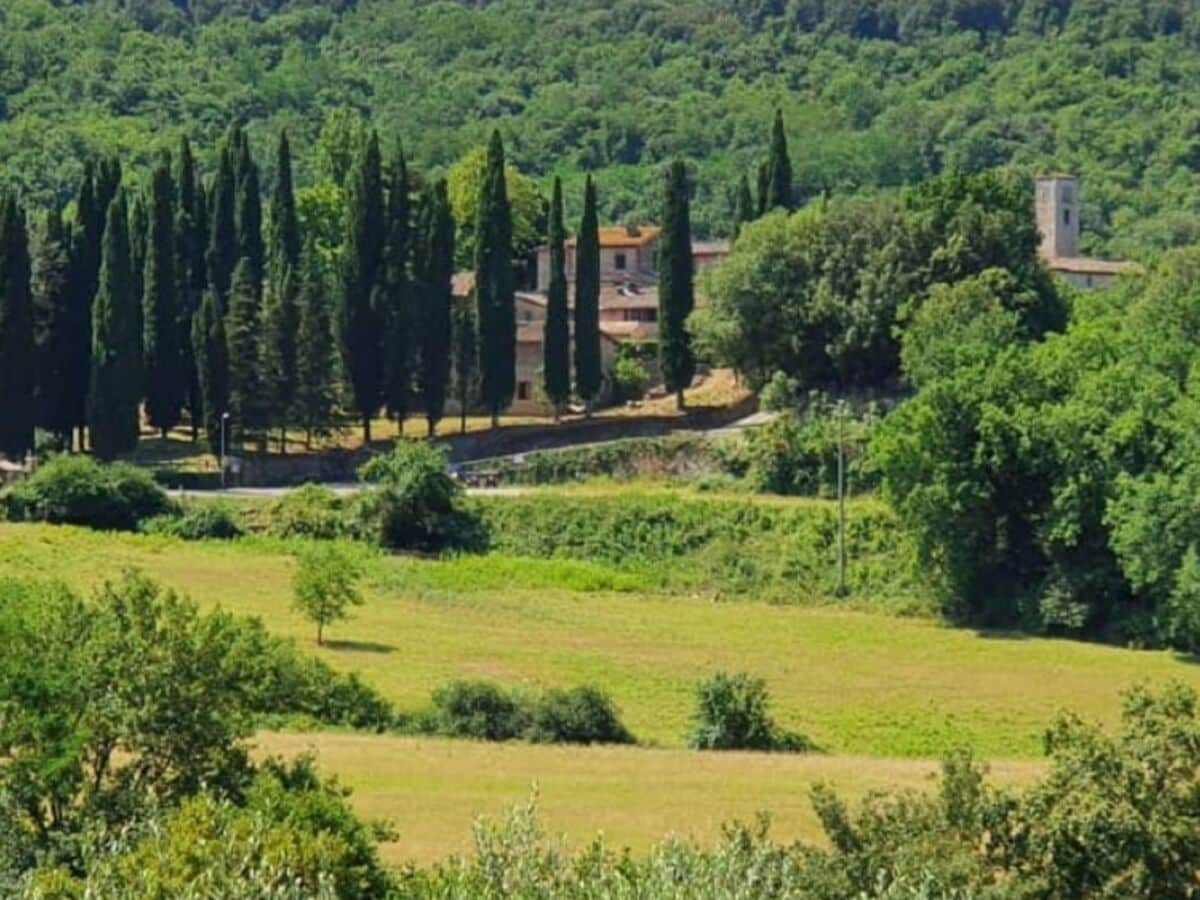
x=212, y=365
x=675, y=283
x=435, y=261
x=17, y=357
x=744, y=210
x=85, y=270
x=315, y=361
x=162, y=339
x=282, y=311
x=556, y=364
x=588, y=362
x=359, y=324
x=54, y=338
x=139, y=227
x=114, y=391
x=466, y=360
x=495, y=286
x=249, y=214
x=190, y=271
x=246, y=388
x=396, y=307
x=764, y=189
x=779, y=169
x=222, y=252
x=285, y=225
x=108, y=183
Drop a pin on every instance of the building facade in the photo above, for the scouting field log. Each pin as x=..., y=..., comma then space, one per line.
x=1057, y=205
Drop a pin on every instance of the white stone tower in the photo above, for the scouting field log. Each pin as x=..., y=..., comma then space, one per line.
x=1058, y=216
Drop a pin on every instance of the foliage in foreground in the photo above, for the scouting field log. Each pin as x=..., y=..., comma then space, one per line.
x=1117, y=816
x=122, y=743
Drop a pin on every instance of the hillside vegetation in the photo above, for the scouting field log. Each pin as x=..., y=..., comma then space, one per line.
x=876, y=94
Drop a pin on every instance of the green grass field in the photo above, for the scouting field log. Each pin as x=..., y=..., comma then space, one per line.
x=431, y=790
x=857, y=683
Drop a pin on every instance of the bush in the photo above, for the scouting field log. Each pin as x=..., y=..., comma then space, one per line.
x=311, y=511
x=204, y=521
x=413, y=502
x=480, y=710
x=779, y=394
x=630, y=379
x=488, y=712
x=797, y=455
x=582, y=715
x=731, y=714
x=76, y=490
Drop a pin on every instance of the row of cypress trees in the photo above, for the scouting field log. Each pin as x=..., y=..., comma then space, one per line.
x=774, y=179
x=176, y=300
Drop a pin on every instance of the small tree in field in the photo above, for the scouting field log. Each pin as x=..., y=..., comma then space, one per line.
x=325, y=586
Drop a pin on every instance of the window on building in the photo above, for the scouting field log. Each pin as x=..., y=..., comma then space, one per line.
x=620, y=262
x=1066, y=217
x=523, y=390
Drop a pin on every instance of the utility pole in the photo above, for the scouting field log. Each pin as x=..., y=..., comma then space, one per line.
x=841, y=489
x=224, y=419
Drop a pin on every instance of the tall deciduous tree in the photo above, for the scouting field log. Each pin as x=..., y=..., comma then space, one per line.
x=495, y=287
x=282, y=310
x=779, y=169
x=162, y=340
x=397, y=299
x=211, y=352
x=588, y=363
x=247, y=395
x=556, y=362
x=315, y=361
x=434, y=259
x=359, y=322
x=676, y=275
x=53, y=308
x=114, y=392
x=17, y=359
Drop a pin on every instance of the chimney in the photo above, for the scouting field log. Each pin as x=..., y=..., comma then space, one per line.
x=633, y=230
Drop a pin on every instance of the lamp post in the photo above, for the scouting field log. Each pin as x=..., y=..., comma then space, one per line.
x=224, y=419
x=841, y=494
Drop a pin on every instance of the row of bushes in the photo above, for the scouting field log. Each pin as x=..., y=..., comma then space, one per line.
x=484, y=711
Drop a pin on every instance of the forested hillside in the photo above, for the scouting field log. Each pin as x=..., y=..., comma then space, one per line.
x=876, y=93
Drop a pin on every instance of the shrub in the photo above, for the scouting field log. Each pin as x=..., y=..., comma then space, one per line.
x=218, y=521
x=480, y=710
x=76, y=490
x=630, y=379
x=798, y=454
x=582, y=715
x=310, y=511
x=413, y=502
x=731, y=714
x=779, y=393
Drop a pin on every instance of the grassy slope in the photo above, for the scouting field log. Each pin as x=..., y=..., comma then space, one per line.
x=857, y=683
x=431, y=790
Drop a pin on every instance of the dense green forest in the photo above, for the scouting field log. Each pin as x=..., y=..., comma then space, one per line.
x=876, y=93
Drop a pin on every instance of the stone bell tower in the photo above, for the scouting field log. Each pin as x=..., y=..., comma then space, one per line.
x=1058, y=216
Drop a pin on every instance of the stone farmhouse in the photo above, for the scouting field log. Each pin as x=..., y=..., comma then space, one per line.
x=628, y=301
x=1057, y=204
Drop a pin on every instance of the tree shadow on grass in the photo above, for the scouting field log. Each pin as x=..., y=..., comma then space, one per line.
x=359, y=646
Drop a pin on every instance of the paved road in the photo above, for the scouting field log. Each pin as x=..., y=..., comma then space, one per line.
x=342, y=488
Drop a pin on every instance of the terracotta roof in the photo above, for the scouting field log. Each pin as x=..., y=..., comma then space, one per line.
x=624, y=236
x=628, y=331
x=1081, y=265
x=535, y=332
